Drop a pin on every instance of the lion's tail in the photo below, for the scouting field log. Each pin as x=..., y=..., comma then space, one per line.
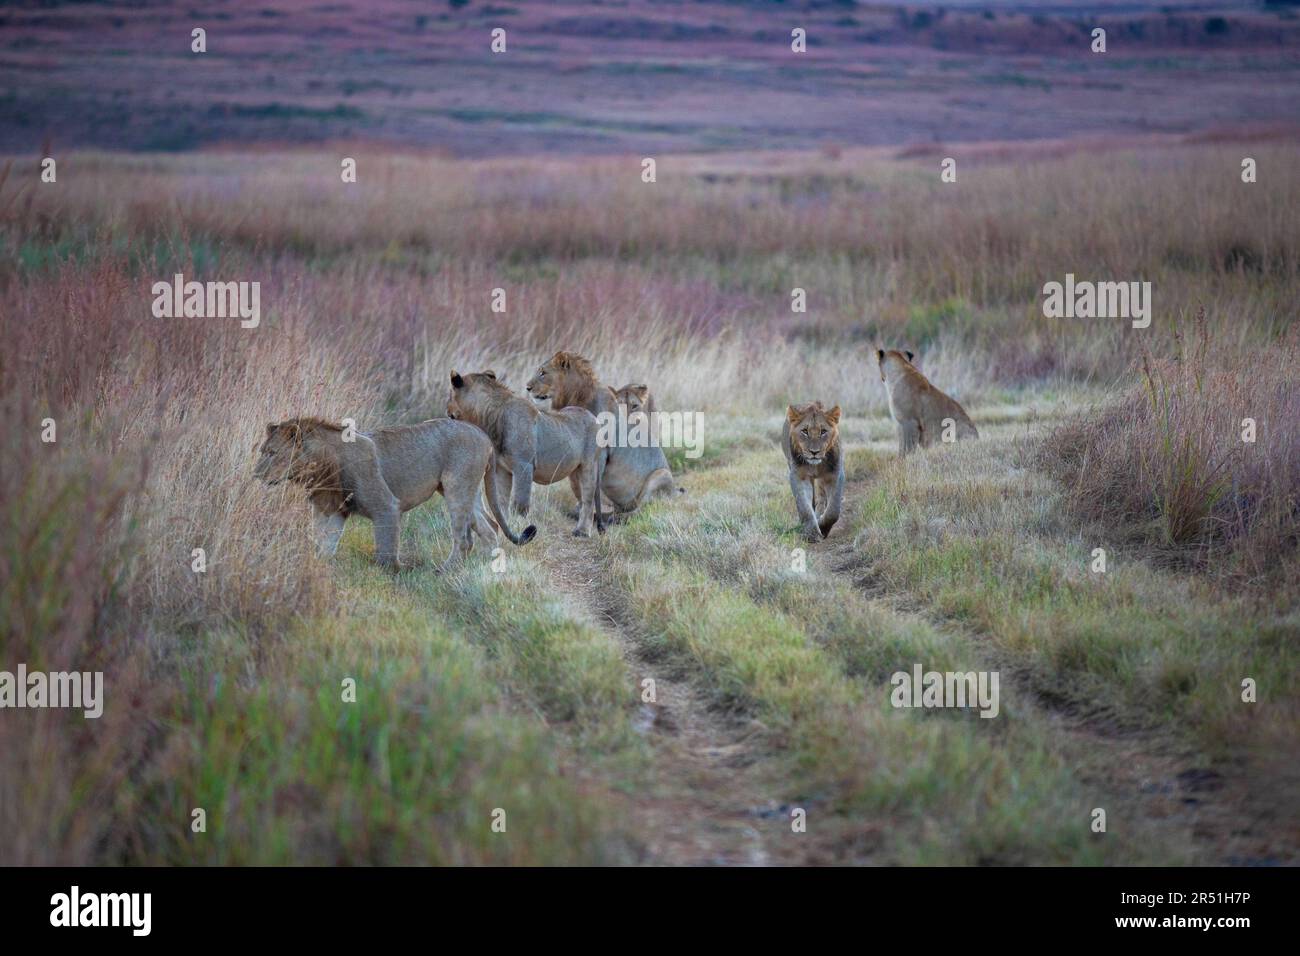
x=601, y=455
x=490, y=489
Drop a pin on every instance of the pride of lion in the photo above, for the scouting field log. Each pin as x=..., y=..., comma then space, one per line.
x=509, y=443
x=633, y=475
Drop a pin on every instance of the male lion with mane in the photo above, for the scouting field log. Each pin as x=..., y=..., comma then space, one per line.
x=382, y=474
x=633, y=475
x=534, y=445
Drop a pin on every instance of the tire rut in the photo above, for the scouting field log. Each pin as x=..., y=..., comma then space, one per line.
x=1137, y=768
x=708, y=799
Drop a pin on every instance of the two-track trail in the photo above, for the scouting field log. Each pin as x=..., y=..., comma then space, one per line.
x=711, y=796
x=719, y=791
x=1135, y=770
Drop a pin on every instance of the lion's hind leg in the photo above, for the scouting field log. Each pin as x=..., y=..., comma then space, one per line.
x=521, y=491
x=658, y=484
x=464, y=514
x=586, y=500
x=484, y=524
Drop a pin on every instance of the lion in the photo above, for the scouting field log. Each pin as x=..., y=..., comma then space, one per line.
x=382, y=474
x=637, y=399
x=533, y=444
x=634, y=473
x=810, y=439
x=923, y=413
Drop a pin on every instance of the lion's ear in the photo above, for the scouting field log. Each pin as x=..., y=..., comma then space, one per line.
x=456, y=380
x=491, y=374
x=833, y=416
x=271, y=429
x=560, y=360
x=793, y=414
x=880, y=355
x=909, y=355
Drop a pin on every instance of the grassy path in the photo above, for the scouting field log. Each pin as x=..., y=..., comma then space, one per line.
x=518, y=685
x=1148, y=775
x=1137, y=671
x=1164, y=774
x=706, y=785
x=704, y=589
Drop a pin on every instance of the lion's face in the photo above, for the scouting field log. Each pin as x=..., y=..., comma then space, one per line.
x=634, y=398
x=548, y=377
x=813, y=431
x=279, y=454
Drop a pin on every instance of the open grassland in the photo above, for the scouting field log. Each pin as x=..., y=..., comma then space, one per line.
x=589, y=76
x=521, y=689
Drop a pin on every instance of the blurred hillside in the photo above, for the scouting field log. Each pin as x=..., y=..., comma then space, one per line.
x=592, y=77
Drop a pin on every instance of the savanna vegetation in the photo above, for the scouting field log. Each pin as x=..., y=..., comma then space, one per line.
x=521, y=687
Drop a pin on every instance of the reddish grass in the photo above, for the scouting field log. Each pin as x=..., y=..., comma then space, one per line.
x=370, y=297
x=1168, y=464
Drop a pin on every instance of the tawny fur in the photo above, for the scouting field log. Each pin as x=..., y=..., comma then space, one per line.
x=382, y=474
x=811, y=442
x=534, y=445
x=637, y=398
x=633, y=475
x=919, y=408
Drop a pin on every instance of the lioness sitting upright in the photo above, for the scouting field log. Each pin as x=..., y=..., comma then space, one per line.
x=634, y=474
x=811, y=442
x=382, y=474
x=534, y=445
x=923, y=413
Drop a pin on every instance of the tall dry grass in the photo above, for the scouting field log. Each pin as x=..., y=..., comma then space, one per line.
x=62, y=551
x=884, y=250
x=1200, y=460
x=371, y=294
